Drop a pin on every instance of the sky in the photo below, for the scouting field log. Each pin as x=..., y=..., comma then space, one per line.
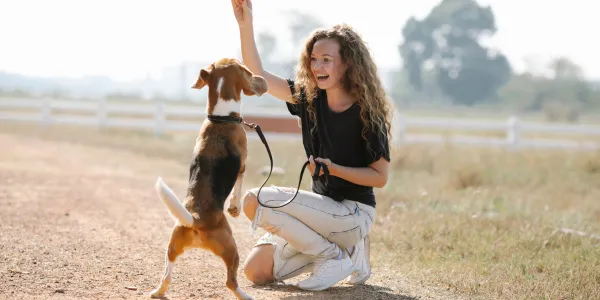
x=129, y=39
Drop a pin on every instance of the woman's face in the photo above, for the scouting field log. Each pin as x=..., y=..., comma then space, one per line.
x=326, y=64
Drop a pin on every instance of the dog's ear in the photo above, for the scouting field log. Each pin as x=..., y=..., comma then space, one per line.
x=202, y=79
x=254, y=84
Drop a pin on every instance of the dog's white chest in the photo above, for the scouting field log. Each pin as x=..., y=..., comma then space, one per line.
x=224, y=108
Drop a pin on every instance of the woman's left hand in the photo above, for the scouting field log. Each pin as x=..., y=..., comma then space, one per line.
x=312, y=165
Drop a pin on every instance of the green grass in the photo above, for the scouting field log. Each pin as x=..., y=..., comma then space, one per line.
x=482, y=222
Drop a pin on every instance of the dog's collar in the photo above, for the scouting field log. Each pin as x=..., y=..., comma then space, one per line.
x=225, y=119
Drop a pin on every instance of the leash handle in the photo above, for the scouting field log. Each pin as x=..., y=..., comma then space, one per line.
x=318, y=166
x=315, y=176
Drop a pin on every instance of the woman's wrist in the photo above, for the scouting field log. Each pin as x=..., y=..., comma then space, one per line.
x=333, y=168
x=246, y=27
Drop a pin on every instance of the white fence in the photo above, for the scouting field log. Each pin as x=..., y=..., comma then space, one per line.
x=144, y=116
x=155, y=116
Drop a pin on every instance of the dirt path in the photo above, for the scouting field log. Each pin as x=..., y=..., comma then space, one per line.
x=78, y=222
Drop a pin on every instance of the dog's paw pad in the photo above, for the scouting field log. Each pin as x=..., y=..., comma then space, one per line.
x=233, y=211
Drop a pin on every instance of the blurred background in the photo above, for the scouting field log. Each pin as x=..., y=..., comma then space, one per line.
x=517, y=57
x=455, y=221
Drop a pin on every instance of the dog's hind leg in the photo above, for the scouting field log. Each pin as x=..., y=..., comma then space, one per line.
x=222, y=244
x=179, y=239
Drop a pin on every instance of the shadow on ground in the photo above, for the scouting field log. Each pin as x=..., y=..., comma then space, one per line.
x=337, y=292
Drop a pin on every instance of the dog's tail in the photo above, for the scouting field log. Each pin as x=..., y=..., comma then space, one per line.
x=175, y=207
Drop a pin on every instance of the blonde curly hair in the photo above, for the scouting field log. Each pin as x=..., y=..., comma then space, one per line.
x=360, y=79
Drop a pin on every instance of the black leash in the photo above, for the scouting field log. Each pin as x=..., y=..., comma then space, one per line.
x=256, y=127
x=315, y=176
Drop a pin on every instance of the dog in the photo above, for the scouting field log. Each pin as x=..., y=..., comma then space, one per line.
x=216, y=173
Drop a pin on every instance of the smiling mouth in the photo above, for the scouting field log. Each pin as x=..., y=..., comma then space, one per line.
x=322, y=77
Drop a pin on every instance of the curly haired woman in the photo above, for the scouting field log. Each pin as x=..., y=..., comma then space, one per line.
x=345, y=119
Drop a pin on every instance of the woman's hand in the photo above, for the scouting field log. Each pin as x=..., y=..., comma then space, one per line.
x=312, y=165
x=242, y=9
x=375, y=175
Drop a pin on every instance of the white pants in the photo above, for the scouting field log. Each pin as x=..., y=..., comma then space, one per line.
x=311, y=225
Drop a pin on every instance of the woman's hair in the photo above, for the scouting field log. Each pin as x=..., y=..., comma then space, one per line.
x=360, y=79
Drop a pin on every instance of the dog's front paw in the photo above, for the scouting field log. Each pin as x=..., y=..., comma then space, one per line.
x=157, y=293
x=233, y=210
x=234, y=204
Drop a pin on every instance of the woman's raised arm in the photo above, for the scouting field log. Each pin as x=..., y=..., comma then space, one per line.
x=278, y=86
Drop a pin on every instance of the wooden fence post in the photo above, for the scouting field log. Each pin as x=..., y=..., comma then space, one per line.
x=46, y=112
x=102, y=113
x=399, y=128
x=513, y=132
x=160, y=118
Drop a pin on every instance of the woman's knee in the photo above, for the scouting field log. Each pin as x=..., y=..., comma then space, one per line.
x=250, y=204
x=258, y=267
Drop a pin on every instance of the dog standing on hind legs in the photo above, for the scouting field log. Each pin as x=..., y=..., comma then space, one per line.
x=216, y=173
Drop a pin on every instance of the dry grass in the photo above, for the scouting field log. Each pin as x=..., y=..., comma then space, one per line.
x=592, y=164
x=482, y=222
x=501, y=134
x=486, y=222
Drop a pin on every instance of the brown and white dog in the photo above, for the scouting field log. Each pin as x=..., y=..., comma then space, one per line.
x=216, y=173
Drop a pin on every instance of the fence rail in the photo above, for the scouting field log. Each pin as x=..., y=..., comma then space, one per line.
x=161, y=117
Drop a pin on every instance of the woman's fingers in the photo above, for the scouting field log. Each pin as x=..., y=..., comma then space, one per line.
x=324, y=161
x=242, y=9
x=313, y=164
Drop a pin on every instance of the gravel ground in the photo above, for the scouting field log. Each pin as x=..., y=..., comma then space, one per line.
x=83, y=222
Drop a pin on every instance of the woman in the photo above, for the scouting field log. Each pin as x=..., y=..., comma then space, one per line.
x=346, y=124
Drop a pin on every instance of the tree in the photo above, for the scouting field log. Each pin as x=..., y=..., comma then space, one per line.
x=564, y=68
x=567, y=84
x=561, y=91
x=449, y=40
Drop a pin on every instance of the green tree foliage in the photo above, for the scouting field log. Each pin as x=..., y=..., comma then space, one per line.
x=569, y=82
x=448, y=39
x=561, y=94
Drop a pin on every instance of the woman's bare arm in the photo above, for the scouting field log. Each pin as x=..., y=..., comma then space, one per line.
x=278, y=86
x=375, y=175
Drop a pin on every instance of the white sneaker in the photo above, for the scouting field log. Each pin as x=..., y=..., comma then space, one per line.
x=360, y=260
x=327, y=272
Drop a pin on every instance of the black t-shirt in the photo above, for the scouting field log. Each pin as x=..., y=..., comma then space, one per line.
x=339, y=138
